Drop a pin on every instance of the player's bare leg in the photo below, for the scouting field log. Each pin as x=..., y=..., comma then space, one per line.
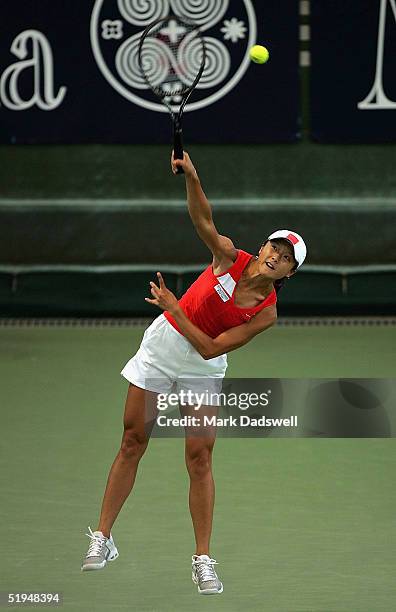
x=198, y=453
x=134, y=442
x=122, y=474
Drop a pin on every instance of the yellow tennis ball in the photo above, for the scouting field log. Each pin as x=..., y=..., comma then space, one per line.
x=259, y=54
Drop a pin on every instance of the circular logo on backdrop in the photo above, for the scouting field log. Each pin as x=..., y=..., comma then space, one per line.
x=228, y=27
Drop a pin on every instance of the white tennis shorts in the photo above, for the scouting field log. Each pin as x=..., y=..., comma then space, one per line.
x=166, y=362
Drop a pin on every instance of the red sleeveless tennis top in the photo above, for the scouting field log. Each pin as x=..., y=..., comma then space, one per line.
x=209, y=301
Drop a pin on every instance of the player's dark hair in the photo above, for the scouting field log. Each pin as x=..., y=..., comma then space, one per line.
x=279, y=283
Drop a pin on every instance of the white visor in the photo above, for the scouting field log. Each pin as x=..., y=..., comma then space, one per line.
x=298, y=244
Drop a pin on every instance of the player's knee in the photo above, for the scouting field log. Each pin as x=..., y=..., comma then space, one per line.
x=133, y=444
x=199, y=461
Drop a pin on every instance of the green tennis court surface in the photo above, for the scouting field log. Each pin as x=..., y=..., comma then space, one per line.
x=300, y=524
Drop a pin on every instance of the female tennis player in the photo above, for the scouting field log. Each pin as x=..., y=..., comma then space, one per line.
x=232, y=301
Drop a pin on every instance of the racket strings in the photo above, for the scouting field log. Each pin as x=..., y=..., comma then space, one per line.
x=171, y=56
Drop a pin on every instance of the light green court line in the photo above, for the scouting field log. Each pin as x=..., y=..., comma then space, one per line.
x=183, y=268
x=224, y=203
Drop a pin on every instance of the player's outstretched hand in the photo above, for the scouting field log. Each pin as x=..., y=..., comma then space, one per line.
x=163, y=298
x=185, y=163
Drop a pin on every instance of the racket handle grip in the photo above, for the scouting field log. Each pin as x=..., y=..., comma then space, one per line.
x=178, y=152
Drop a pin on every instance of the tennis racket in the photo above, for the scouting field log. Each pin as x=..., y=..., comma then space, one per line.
x=172, y=59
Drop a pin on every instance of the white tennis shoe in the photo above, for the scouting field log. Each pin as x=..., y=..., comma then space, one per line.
x=204, y=575
x=100, y=550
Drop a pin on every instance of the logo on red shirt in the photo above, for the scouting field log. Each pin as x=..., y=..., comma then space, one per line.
x=224, y=296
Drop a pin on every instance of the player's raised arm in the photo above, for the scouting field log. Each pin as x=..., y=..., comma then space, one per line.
x=200, y=212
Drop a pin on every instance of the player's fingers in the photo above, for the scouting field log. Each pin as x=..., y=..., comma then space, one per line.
x=174, y=164
x=155, y=302
x=161, y=280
